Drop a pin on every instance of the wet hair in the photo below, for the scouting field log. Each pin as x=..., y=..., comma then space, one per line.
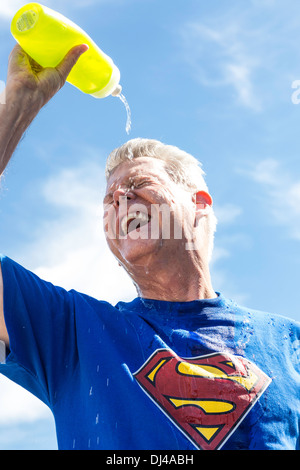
x=181, y=167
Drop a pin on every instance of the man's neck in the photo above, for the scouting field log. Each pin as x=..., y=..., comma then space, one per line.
x=174, y=281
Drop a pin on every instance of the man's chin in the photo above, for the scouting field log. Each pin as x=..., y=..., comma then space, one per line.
x=136, y=251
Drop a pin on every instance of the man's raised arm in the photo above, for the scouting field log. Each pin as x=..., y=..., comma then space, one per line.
x=28, y=88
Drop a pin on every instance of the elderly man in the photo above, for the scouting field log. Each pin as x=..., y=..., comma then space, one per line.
x=178, y=368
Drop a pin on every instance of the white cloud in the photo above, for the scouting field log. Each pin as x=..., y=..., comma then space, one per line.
x=281, y=193
x=220, y=56
x=9, y=7
x=224, y=248
x=239, y=76
x=70, y=250
x=19, y=406
x=227, y=213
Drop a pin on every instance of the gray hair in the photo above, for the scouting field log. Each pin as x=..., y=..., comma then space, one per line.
x=181, y=167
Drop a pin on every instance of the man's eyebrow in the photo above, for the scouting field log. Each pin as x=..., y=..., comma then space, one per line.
x=131, y=181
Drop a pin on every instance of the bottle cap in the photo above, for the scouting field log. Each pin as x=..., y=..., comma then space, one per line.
x=117, y=91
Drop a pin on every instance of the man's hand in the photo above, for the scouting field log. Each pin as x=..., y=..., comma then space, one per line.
x=25, y=76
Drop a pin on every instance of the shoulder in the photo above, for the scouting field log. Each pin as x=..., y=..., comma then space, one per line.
x=270, y=329
x=263, y=317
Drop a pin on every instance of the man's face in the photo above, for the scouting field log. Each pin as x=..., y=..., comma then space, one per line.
x=146, y=214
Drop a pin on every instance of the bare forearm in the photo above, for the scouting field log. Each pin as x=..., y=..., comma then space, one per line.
x=16, y=114
x=29, y=88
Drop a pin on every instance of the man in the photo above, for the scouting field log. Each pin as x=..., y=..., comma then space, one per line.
x=178, y=368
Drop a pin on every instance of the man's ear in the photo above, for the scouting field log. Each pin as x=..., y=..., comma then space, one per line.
x=203, y=202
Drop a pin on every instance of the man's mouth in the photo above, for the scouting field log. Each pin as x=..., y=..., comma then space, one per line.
x=133, y=221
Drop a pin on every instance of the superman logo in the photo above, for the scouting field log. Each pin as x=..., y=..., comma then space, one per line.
x=206, y=397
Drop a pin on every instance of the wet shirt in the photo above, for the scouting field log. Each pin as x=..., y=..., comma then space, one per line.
x=150, y=374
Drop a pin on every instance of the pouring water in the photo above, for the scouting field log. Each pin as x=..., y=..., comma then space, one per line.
x=120, y=95
x=128, y=111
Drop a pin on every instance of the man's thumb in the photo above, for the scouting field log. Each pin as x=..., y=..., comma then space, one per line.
x=68, y=62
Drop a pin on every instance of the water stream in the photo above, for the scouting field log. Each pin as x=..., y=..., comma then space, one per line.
x=128, y=111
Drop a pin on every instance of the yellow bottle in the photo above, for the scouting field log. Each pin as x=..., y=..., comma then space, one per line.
x=47, y=36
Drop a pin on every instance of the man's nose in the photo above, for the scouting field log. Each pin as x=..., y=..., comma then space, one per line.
x=122, y=195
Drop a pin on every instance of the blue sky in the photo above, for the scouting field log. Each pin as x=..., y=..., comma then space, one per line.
x=214, y=78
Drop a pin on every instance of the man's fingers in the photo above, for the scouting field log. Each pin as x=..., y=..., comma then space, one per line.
x=66, y=65
x=24, y=72
x=17, y=57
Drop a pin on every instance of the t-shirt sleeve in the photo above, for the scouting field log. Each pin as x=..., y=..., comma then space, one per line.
x=40, y=321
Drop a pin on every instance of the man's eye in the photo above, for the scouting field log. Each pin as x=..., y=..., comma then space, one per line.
x=140, y=184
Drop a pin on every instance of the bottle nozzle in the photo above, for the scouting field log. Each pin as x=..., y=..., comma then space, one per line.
x=117, y=91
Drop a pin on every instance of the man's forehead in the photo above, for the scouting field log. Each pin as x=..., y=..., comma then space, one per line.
x=142, y=166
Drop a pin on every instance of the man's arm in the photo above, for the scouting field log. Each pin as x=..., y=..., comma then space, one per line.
x=28, y=88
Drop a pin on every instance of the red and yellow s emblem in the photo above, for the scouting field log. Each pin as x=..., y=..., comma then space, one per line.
x=206, y=397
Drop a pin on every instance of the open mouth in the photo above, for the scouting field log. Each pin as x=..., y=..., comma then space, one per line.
x=133, y=221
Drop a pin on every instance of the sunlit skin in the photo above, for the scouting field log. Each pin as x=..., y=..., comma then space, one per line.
x=161, y=268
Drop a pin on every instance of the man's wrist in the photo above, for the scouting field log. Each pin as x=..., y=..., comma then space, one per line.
x=16, y=114
x=23, y=102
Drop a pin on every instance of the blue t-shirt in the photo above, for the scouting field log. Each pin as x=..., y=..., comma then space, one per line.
x=150, y=374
